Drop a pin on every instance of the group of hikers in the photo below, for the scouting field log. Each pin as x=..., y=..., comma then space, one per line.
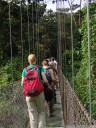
x=39, y=86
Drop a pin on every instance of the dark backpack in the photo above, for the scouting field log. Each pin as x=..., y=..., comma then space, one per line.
x=48, y=75
x=32, y=83
x=47, y=91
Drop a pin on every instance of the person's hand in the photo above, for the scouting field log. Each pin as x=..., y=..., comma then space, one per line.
x=49, y=87
x=21, y=84
x=57, y=81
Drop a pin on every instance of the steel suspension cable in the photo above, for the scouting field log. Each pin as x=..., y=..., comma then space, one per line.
x=64, y=43
x=73, y=13
x=39, y=37
x=10, y=40
x=11, y=49
x=21, y=33
x=59, y=31
x=72, y=46
x=33, y=27
x=43, y=32
x=57, y=6
x=64, y=57
x=38, y=40
x=40, y=49
x=62, y=30
x=39, y=45
x=89, y=64
x=59, y=34
x=28, y=26
x=58, y=21
x=36, y=32
x=70, y=4
x=63, y=61
x=37, y=25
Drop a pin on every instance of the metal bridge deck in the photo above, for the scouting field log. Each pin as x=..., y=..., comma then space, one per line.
x=57, y=120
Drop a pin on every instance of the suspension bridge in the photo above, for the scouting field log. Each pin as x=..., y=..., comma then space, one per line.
x=69, y=111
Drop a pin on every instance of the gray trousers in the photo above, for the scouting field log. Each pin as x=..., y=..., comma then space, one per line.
x=36, y=109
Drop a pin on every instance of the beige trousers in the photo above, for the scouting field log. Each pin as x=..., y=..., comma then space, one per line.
x=36, y=109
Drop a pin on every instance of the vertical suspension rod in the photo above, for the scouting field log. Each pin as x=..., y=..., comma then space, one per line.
x=33, y=27
x=10, y=42
x=36, y=31
x=59, y=33
x=65, y=67
x=28, y=25
x=89, y=65
x=58, y=20
x=39, y=58
x=21, y=32
x=61, y=30
x=37, y=37
x=72, y=45
x=72, y=42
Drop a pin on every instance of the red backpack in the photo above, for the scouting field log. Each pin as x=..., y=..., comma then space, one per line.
x=32, y=84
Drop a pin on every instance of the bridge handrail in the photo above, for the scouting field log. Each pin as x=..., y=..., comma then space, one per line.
x=73, y=110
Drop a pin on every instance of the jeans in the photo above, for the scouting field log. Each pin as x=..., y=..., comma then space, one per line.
x=36, y=109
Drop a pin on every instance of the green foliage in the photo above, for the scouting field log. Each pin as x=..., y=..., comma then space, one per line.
x=8, y=70
x=48, y=30
x=80, y=52
x=17, y=46
x=82, y=76
x=6, y=76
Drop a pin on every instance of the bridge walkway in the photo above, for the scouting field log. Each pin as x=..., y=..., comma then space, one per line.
x=57, y=120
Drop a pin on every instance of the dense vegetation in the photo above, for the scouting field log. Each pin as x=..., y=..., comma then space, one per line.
x=46, y=45
x=40, y=26
x=81, y=72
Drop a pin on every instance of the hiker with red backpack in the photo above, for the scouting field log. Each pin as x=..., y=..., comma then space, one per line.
x=33, y=90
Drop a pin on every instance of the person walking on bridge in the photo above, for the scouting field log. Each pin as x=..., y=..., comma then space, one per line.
x=36, y=104
x=50, y=77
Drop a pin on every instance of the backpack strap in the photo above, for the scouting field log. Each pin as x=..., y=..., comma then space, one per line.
x=40, y=69
x=28, y=69
x=47, y=70
x=35, y=67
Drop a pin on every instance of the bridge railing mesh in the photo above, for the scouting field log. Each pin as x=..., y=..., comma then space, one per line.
x=73, y=111
x=13, y=107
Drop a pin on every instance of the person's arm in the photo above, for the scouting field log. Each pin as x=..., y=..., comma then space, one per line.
x=22, y=81
x=53, y=77
x=44, y=78
x=23, y=74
